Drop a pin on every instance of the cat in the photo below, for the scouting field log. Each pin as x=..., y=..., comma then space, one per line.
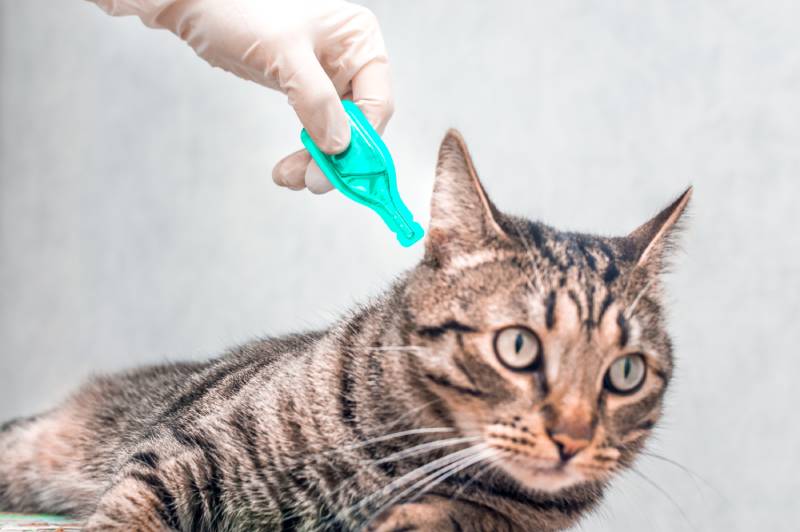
x=498, y=385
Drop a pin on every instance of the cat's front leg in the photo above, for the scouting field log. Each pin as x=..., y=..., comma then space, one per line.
x=161, y=491
x=140, y=504
x=441, y=514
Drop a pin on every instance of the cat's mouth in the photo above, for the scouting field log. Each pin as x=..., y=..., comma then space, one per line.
x=535, y=462
x=546, y=475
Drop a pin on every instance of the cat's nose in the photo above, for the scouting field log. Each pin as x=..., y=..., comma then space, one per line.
x=570, y=427
x=568, y=446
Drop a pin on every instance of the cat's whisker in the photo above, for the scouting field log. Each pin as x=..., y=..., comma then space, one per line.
x=607, y=469
x=407, y=453
x=433, y=479
x=421, y=471
x=489, y=466
x=694, y=476
x=425, y=447
x=486, y=467
x=414, y=451
x=378, y=439
x=408, y=414
x=431, y=430
x=449, y=471
x=395, y=435
x=667, y=495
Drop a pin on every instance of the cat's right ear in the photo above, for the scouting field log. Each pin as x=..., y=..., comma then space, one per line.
x=462, y=216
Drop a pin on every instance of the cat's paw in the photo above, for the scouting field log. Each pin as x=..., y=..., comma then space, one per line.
x=416, y=516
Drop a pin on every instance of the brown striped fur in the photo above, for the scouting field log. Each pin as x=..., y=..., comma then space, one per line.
x=398, y=417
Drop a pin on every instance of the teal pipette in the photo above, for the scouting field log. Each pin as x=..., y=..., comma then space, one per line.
x=364, y=172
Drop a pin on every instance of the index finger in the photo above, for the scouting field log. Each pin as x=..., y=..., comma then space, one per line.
x=372, y=92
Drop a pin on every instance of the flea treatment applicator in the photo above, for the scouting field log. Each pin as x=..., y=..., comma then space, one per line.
x=364, y=172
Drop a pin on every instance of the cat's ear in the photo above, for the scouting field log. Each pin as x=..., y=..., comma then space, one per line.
x=649, y=244
x=462, y=216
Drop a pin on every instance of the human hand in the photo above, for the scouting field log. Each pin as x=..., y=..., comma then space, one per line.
x=314, y=51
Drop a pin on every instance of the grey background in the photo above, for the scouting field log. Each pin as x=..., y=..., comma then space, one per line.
x=139, y=223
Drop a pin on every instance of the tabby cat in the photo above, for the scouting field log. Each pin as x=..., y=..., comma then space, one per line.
x=498, y=385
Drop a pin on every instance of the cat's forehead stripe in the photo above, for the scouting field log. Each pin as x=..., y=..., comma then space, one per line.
x=471, y=260
x=467, y=261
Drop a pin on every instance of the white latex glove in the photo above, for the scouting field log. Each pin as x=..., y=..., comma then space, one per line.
x=314, y=51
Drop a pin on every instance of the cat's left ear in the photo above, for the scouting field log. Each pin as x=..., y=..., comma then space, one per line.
x=462, y=216
x=649, y=244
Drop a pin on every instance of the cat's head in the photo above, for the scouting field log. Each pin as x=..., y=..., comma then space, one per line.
x=549, y=346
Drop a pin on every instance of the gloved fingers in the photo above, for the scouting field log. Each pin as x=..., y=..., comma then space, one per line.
x=314, y=99
x=298, y=171
x=353, y=40
x=357, y=62
x=316, y=180
x=290, y=171
x=372, y=92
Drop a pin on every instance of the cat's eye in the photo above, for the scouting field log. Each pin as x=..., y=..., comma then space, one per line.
x=518, y=348
x=626, y=374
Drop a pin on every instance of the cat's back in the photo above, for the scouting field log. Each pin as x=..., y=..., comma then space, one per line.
x=132, y=402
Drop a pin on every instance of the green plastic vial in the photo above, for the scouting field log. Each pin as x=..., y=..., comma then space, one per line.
x=364, y=172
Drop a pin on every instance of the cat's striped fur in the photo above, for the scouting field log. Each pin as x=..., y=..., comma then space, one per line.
x=398, y=417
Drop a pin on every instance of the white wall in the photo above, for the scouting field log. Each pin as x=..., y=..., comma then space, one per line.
x=139, y=223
